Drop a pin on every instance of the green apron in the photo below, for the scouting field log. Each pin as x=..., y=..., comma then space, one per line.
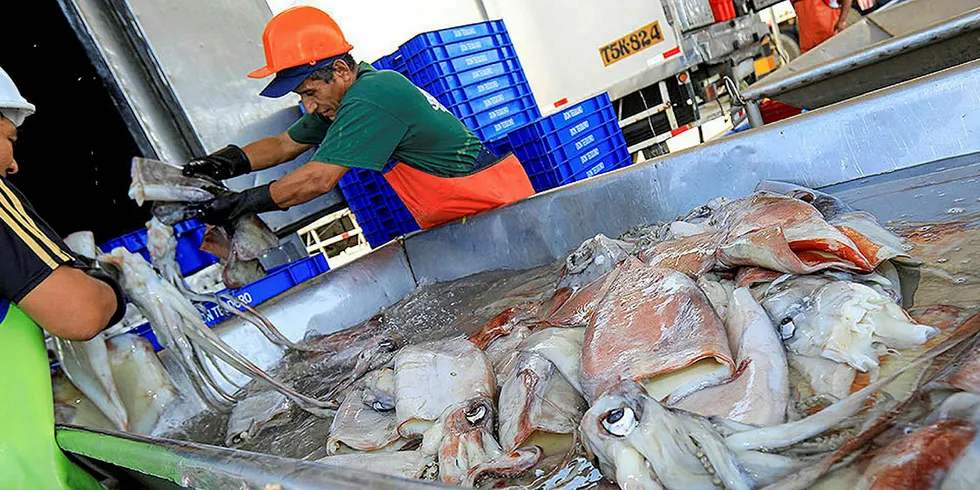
x=29, y=456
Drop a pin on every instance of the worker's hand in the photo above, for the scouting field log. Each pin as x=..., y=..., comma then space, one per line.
x=841, y=24
x=230, y=161
x=226, y=210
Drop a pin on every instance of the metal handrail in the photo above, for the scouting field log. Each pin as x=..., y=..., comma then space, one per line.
x=888, y=48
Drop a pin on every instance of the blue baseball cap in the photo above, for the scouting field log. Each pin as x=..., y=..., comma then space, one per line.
x=288, y=79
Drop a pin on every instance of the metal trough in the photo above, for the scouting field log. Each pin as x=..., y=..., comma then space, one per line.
x=869, y=151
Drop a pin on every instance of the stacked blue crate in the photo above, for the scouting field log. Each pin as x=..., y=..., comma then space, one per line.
x=189, y=236
x=380, y=213
x=474, y=72
x=579, y=142
x=396, y=62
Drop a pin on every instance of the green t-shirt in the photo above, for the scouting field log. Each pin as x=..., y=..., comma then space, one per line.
x=383, y=115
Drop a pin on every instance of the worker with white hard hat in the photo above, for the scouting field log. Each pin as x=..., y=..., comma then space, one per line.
x=42, y=284
x=359, y=117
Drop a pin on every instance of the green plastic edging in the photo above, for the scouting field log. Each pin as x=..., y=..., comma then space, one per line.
x=138, y=456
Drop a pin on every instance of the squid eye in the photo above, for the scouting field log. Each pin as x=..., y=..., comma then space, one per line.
x=620, y=422
x=383, y=404
x=787, y=328
x=240, y=438
x=476, y=414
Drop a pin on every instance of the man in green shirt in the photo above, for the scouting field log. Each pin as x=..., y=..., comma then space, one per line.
x=359, y=117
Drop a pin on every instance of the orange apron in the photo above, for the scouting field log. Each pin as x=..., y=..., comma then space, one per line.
x=436, y=200
x=816, y=21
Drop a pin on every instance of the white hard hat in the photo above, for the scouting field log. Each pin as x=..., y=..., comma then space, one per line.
x=12, y=105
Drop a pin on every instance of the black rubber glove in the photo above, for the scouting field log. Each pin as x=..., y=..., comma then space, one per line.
x=227, y=209
x=92, y=269
x=230, y=161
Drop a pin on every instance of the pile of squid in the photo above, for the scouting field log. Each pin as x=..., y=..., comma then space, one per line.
x=756, y=342
x=119, y=382
x=122, y=377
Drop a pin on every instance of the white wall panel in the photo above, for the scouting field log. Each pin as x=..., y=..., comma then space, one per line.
x=558, y=43
x=378, y=27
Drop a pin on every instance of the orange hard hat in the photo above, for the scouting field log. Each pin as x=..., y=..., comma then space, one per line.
x=298, y=36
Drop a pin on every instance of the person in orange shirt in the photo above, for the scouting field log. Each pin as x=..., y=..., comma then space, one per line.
x=819, y=20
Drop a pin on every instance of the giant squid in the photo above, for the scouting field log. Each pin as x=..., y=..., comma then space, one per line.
x=458, y=449
x=162, y=246
x=759, y=394
x=821, y=316
x=366, y=419
x=776, y=228
x=430, y=377
x=642, y=444
x=120, y=375
x=173, y=196
x=539, y=406
x=656, y=326
x=180, y=329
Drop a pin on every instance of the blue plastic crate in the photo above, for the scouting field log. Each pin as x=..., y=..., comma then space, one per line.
x=487, y=102
x=503, y=125
x=433, y=79
x=378, y=238
x=492, y=116
x=604, y=138
x=418, y=58
x=571, y=158
x=353, y=177
x=189, y=235
x=416, y=48
x=364, y=187
x=367, y=202
x=376, y=217
x=377, y=221
x=564, y=173
x=538, y=131
x=464, y=63
x=278, y=280
x=499, y=147
x=347, y=181
x=456, y=34
x=475, y=90
x=396, y=62
x=380, y=213
x=359, y=179
x=404, y=220
x=577, y=119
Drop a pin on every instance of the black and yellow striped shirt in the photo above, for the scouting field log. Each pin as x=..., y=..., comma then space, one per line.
x=29, y=248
